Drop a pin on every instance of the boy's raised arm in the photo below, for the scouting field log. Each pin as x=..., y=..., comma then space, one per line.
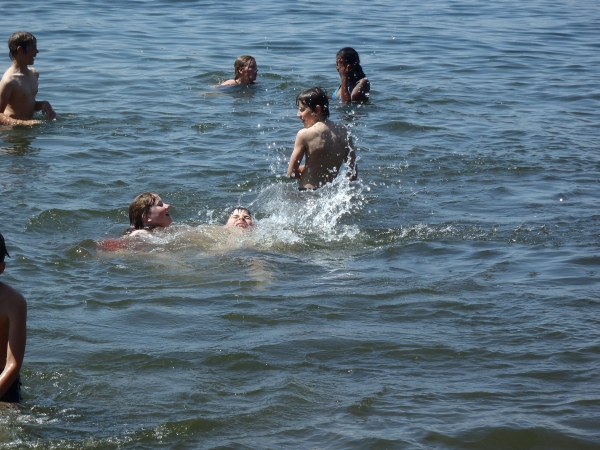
x=294, y=169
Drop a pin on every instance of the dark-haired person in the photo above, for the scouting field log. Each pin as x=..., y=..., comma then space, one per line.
x=239, y=217
x=245, y=69
x=324, y=143
x=19, y=85
x=148, y=212
x=13, y=335
x=354, y=86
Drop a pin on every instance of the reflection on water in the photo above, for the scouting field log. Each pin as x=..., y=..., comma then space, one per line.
x=16, y=141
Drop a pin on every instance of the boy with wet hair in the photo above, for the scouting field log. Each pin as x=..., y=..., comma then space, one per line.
x=13, y=334
x=324, y=143
x=19, y=85
x=240, y=217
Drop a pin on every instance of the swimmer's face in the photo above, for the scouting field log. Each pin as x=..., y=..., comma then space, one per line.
x=247, y=74
x=251, y=70
x=306, y=115
x=239, y=218
x=30, y=52
x=159, y=214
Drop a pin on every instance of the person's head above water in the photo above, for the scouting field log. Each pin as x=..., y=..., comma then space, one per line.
x=148, y=211
x=239, y=217
x=349, y=56
x=3, y=251
x=245, y=69
x=315, y=99
x=21, y=39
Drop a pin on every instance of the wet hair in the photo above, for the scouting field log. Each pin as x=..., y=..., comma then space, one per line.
x=242, y=62
x=241, y=208
x=20, y=38
x=350, y=56
x=3, y=251
x=139, y=206
x=313, y=97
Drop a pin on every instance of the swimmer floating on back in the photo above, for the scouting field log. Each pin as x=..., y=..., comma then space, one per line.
x=355, y=86
x=324, y=143
x=245, y=71
x=240, y=217
x=148, y=212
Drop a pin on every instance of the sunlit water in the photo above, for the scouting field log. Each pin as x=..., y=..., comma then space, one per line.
x=448, y=299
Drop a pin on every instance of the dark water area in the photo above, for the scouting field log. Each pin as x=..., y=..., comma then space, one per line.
x=448, y=299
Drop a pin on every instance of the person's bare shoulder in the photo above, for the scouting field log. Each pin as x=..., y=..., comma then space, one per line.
x=305, y=133
x=35, y=72
x=338, y=129
x=11, y=300
x=228, y=83
x=136, y=232
x=8, y=77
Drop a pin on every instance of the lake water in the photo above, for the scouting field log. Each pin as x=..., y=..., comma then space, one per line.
x=448, y=299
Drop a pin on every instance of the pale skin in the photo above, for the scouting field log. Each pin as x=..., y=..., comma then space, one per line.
x=359, y=92
x=18, y=89
x=239, y=218
x=325, y=145
x=13, y=333
x=159, y=216
x=245, y=76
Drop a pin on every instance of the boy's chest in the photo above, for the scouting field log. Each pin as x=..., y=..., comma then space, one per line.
x=25, y=85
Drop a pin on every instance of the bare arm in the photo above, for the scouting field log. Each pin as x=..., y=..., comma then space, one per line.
x=17, y=336
x=360, y=93
x=346, y=95
x=46, y=109
x=294, y=168
x=6, y=89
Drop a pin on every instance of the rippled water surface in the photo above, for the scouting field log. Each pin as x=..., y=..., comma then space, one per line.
x=449, y=299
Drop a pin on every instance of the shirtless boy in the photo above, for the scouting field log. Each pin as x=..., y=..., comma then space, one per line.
x=13, y=334
x=19, y=85
x=324, y=144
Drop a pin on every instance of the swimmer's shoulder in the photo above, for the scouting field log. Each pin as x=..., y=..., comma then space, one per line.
x=133, y=232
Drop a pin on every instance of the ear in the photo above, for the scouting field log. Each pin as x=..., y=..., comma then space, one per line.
x=145, y=218
x=2, y=266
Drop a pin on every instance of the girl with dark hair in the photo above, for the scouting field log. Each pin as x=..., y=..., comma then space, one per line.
x=355, y=86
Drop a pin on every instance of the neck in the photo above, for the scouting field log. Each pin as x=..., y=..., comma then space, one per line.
x=20, y=66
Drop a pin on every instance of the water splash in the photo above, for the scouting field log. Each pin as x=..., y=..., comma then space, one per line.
x=292, y=216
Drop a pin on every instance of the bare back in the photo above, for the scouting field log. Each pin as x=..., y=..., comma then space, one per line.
x=13, y=334
x=325, y=145
x=17, y=93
